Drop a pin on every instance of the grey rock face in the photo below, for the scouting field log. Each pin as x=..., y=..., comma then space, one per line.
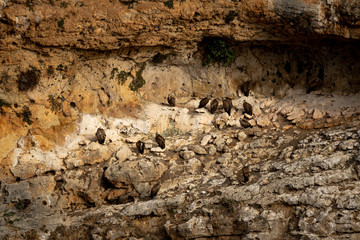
x=17, y=191
x=256, y=186
x=134, y=172
x=187, y=154
x=199, y=150
x=212, y=149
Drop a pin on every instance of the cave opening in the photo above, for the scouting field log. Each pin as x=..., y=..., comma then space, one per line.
x=320, y=64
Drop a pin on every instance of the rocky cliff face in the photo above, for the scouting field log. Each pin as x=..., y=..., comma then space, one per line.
x=174, y=24
x=71, y=67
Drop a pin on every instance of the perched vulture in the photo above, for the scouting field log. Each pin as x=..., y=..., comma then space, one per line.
x=171, y=100
x=248, y=108
x=204, y=101
x=160, y=140
x=213, y=106
x=245, y=123
x=100, y=135
x=227, y=105
x=140, y=146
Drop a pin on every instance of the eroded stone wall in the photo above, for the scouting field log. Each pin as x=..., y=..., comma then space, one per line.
x=174, y=24
x=57, y=86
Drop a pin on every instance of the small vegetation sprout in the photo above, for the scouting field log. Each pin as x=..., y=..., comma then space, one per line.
x=217, y=50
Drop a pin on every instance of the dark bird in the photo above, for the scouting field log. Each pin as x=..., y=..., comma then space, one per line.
x=140, y=146
x=248, y=108
x=245, y=123
x=213, y=106
x=314, y=84
x=245, y=88
x=160, y=140
x=244, y=174
x=171, y=100
x=227, y=105
x=204, y=101
x=100, y=135
x=155, y=190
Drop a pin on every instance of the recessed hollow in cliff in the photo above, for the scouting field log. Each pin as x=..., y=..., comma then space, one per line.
x=329, y=65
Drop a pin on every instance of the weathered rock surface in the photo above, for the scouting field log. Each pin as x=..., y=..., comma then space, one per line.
x=176, y=24
x=254, y=186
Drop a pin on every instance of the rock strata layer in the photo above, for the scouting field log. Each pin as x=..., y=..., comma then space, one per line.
x=110, y=25
x=290, y=185
x=222, y=181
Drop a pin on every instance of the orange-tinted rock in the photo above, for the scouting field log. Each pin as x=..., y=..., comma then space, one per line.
x=11, y=130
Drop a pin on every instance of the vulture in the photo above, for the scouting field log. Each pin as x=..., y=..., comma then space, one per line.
x=204, y=101
x=245, y=123
x=160, y=140
x=227, y=105
x=213, y=106
x=171, y=100
x=248, y=108
x=245, y=88
x=100, y=135
x=140, y=146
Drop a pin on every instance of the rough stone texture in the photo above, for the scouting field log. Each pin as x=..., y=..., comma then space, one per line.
x=317, y=114
x=112, y=24
x=187, y=154
x=77, y=79
x=142, y=175
x=292, y=192
x=123, y=153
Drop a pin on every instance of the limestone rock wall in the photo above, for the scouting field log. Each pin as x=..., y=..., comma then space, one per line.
x=55, y=87
x=230, y=183
x=172, y=24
